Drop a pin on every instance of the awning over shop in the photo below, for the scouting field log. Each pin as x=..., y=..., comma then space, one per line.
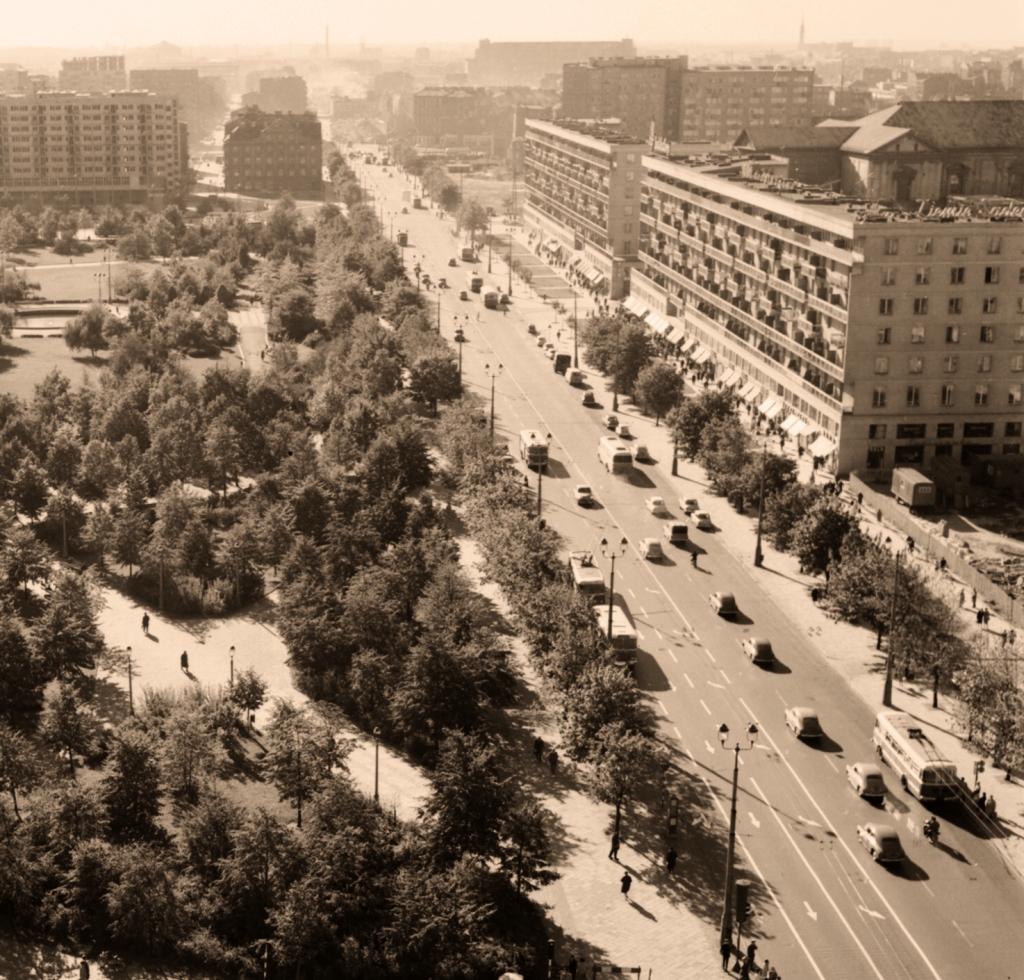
x=765, y=405
x=774, y=410
x=799, y=426
x=596, y=277
x=753, y=395
x=730, y=373
x=635, y=306
x=701, y=356
x=790, y=421
x=675, y=336
x=822, y=446
x=689, y=347
x=576, y=261
x=733, y=379
x=747, y=389
x=658, y=323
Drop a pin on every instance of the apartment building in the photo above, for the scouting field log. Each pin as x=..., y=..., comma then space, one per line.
x=286, y=93
x=98, y=74
x=270, y=153
x=583, y=198
x=122, y=147
x=878, y=337
x=451, y=112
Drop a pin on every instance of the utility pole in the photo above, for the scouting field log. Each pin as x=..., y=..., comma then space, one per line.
x=723, y=734
x=492, y=375
x=758, y=554
x=575, y=332
x=612, y=553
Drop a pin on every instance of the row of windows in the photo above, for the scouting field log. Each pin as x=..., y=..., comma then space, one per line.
x=955, y=305
x=924, y=246
x=957, y=275
x=944, y=430
x=950, y=363
x=913, y=455
x=880, y=396
x=986, y=334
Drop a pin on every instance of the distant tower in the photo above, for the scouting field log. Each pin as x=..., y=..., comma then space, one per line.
x=327, y=40
x=801, y=31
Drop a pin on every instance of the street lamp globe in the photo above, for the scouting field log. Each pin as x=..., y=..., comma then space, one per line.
x=723, y=732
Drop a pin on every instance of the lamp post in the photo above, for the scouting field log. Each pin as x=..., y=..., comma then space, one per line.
x=613, y=552
x=510, y=263
x=376, y=765
x=417, y=268
x=723, y=734
x=231, y=682
x=131, y=698
x=488, y=244
x=540, y=484
x=575, y=330
x=758, y=554
x=99, y=277
x=439, y=309
x=492, y=375
x=890, y=653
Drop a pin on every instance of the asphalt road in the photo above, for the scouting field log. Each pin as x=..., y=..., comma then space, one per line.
x=824, y=907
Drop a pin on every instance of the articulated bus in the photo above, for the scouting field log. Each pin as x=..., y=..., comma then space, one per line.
x=923, y=769
x=615, y=456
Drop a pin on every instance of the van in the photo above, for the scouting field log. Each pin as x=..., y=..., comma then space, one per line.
x=491, y=299
x=562, y=362
x=677, y=533
x=912, y=488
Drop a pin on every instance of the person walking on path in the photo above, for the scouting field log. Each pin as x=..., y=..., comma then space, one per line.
x=670, y=859
x=751, y=950
x=538, y=748
x=613, y=854
x=553, y=760
x=145, y=623
x=726, y=950
x=184, y=661
x=974, y=598
x=626, y=882
x=962, y=598
x=572, y=967
x=83, y=970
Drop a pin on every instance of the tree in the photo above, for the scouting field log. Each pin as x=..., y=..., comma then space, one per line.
x=67, y=637
x=29, y=490
x=66, y=516
x=131, y=530
x=693, y=415
x=24, y=557
x=725, y=452
x=142, y=904
x=249, y=692
x=659, y=388
x=64, y=724
x=784, y=509
x=18, y=770
x=134, y=246
x=818, y=537
x=131, y=785
x=525, y=848
x=292, y=315
x=239, y=553
x=601, y=695
x=205, y=834
x=435, y=377
x=64, y=459
x=98, y=532
x=8, y=317
x=23, y=671
x=100, y=469
x=623, y=762
x=190, y=756
x=467, y=800
x=473, y=215
x=617, y=349
x=88, y=330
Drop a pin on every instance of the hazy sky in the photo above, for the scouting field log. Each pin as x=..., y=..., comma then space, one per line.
x=911, y=23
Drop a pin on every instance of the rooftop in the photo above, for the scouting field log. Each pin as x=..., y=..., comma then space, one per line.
x=596, y=133
x=773, y=138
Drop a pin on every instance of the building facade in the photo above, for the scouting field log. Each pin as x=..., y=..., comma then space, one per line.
x=456, y=112
x=99, y=74
x=880, y=339
x=273, y=153
x=527, y=62
x=120, y=148
x=583, y=198
x=287, y=93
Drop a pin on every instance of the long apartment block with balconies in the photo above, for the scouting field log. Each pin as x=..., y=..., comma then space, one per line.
x=895, y=337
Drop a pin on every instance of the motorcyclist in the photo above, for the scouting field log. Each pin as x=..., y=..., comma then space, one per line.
x=931, y=829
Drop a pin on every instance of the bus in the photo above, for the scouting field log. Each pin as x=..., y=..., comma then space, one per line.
x=587, y=578
x=615, y=456
x=923, y=770
x=474, y=281
x=533, y=448
x=468, y=253
x=621, y=637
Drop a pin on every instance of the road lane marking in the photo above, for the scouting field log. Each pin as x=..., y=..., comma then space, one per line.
x=631, y=592
x=814, y=875
x=832, y=764
x=810, y=911
x=725, y=675
x=711, y=655
x=754, y=820
x=644, y=612
x=673, y=656
x=688, y=681
x=871, y=912
x=706, y=708
x=662, y=706
x=959, y=930
x=720, y=687
x=674, y=688
x=709, y=746
x=935, y=973
x=680, y=737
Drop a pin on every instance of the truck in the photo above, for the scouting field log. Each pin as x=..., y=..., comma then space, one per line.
x=911, y=488
x=403, y=238
x=587, y=578
x=474, y=281
x=491, y=299
x=468, y=253
x=562, y=362
x=533, y=448
x=618, y=631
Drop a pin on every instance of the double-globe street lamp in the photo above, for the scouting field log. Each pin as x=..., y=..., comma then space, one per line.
x=612, y=552
x=492, y=374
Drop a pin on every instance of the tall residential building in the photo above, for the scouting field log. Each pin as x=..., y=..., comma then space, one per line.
x=200, y=106
x=883, y=337
x=270, y=153
x=121, y=148
x=583, y=198
x=527, y=62
x=104, y=73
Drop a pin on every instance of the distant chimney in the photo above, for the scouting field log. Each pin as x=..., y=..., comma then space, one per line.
x=327, y=40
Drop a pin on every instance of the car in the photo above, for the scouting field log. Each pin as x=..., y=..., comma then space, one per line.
x=702, y=520
x=463, y=294
x=460, y=337
x=549, y=351
x=676, y=533
x=866, y=779
x=803, y=722
x=624, y=431
x=442, y=283
x=689, y=504
x=881, y=841
x=724, y=604
x=656, y=505
x=650, y=548
x=532, y=329
x=640, y=453
x=759, y=650
x=584, y=496
x=503, y=299
x=452, y=262
x=588, y=399
x=610, y=421
x=541, y=342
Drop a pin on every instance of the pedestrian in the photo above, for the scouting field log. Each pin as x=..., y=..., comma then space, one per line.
x=744, y=970
x=526, y=480
x=910, y=544
x=613, y=854
x=1005, y=635
x=558, y=335
x=83, y=969
x=693, y=558
x=990, y=803
x=979, y=617
x=860, y=499
x=573, y=966
x=981, y=800
x=771, y=975
x=839, y=486
x=1013, y=637
x=974, y=598
x=538, y=748
x=553, y=760
x=626, y=882
x=670, y=859
x=961, y=598
x=184, y=661
x=751, y=950
x=942, y=565
x=145, y=623
x=988, y=615
x=726, y=950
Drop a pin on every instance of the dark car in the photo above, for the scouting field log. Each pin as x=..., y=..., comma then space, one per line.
x=724, y=603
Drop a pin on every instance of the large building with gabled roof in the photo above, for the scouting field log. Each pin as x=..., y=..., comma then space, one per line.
x=271, y=153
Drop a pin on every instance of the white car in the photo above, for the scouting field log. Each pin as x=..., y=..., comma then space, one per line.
x=624, y=432
x=689, y=504
x=759, y=650
x=584, y=498
x=640, y=453
x=650, y=548
x=656, y=505
x=866, y=778
x=702, y=520
x=882, y=842
x=549, y=352
x=676, y=533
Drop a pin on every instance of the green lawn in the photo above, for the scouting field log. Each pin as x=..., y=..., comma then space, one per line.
x=61, y=279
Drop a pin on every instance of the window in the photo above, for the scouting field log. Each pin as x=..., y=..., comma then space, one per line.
x=627, y=245
x=956, y=275
x=630, y=174
x=1012, y=429
x=952, y=335
x=889, y=276
x=885, y=335
x=917, y=335
x=944, y=449
x=913, y=396
x=881, y=365
x=987, y=335
x=630, y=158
x=959, y=246
x=985, y=362
x=1011, y=448
x=955, y=305
x=992, y=274
x=1020, y=275
x=1014, y=395
x=994, y=245
x=978, y=430
x=1017, y=362
x=949, y=363
x=924, y=246
x=947, y=395
x=988, y=305
x=945, y=430
x=892, y=246
x=1020, y=304
x=885, y=307
x=915, y=365
x=920, y=305
x=981, y=394
x=876, y=458
x=914, y=430
x=1018, y=333
x=922, y=276
x=878, y=398
x=877, y=431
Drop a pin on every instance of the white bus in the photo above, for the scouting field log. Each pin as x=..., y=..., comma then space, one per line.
x=923, y=769
x=615, y=456
x=533, y=448
x=622, y=637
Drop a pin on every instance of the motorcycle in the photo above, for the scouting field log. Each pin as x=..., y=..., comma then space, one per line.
x=931, y=831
